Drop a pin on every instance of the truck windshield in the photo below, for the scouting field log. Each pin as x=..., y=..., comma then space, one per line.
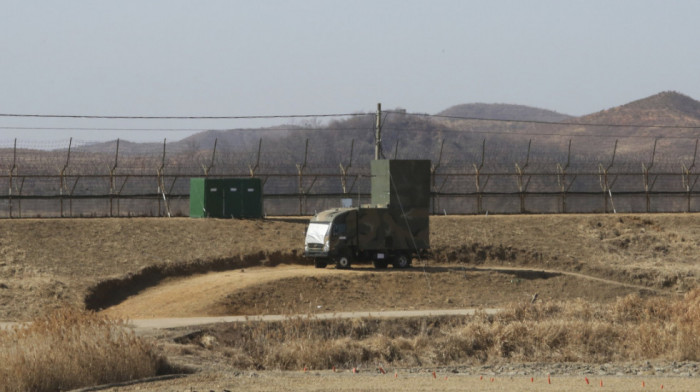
x=316, y=233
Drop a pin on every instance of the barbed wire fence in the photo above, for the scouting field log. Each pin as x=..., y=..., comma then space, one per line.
x=72, y=178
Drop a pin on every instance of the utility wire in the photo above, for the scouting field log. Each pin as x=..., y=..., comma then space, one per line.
x=491, y=132
x=609, y=135
x=564, y=123
x=324, y=129
x=300, y=128
x=179, y=117
x=550, y=122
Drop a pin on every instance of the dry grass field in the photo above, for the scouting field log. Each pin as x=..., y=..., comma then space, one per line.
x=612, y=290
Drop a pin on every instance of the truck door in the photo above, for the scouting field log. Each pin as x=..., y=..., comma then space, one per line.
x=341, y=235
x=351, y=225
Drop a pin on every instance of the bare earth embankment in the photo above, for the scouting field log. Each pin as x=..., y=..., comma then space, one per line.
x=148, y=268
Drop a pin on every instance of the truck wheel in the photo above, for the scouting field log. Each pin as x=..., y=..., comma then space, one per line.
x=380, y=264
x=343, y=262
x=402, y=261
x=319, y=263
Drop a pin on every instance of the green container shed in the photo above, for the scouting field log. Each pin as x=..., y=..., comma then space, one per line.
x=226, y=198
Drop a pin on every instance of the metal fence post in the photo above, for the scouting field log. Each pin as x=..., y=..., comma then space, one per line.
x=522, y=186
x=477, y=178
x=300, y=171
x=648, y=186
x=62, y=184
x=561, y=179
x=605, y=185
x=687, y=173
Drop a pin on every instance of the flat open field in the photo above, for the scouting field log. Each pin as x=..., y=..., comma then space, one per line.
x=179, y=267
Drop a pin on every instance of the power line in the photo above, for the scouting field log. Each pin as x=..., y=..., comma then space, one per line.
x=300, y=128
x=179, y=117
x=608, y=135
x=275, y=116
x=550, y=122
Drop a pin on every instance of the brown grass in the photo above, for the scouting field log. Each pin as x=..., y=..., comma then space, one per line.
x=629, y=329
x=69, y=349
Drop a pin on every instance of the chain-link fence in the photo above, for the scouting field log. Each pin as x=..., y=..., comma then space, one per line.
x=78, y=179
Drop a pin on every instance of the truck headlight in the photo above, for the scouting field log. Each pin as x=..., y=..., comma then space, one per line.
x=326, y=246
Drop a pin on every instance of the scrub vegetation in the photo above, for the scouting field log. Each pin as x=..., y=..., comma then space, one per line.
x=68, y=349
x=630, y=328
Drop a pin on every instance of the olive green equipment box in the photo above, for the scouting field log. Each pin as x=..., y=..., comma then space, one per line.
x=226, y=198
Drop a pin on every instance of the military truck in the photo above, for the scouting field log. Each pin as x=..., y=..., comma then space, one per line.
x=390, y=230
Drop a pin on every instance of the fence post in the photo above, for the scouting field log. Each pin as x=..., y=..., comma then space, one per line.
x=433, y=170
x=300, y=171
x=207, y=169
x=62, y=184
x=645, y=175
x=12, y=173
x=19, y=201
x=522, y=187
x=477, y=178
x=161, y=183
x=72, y=192
x=605, y=185
x=253, y=169
x=112, y=180
x=344, y=169
x=685, y=177
x=561, y=179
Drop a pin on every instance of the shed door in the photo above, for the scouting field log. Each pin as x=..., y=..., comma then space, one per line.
x=232, y=197
x=215, y=200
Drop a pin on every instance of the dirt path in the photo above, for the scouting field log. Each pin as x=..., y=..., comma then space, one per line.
x=194, y=296
x=182, y=300
x=573, y=274
x=400, y=381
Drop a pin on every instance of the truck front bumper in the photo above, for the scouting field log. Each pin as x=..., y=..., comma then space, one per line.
x=315, y=254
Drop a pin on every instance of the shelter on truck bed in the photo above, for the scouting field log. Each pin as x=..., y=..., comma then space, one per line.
x=403, y=188
x=226, y=198
x=401, y=183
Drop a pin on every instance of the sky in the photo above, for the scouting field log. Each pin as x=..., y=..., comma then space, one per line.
x=315, y=57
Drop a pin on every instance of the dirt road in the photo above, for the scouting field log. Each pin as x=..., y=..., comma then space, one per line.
x=195, y=296
x=399, y=380
x=197, y=299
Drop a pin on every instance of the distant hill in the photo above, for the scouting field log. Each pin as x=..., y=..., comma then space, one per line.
x=407, y=135
x=666, y=108
x=504, y=112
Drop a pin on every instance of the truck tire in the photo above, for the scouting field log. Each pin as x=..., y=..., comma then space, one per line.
x=343, y=262
x=320, y=263
x=380, y=264
x=402, y=261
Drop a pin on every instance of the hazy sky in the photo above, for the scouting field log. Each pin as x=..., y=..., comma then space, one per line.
x=244, y=58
